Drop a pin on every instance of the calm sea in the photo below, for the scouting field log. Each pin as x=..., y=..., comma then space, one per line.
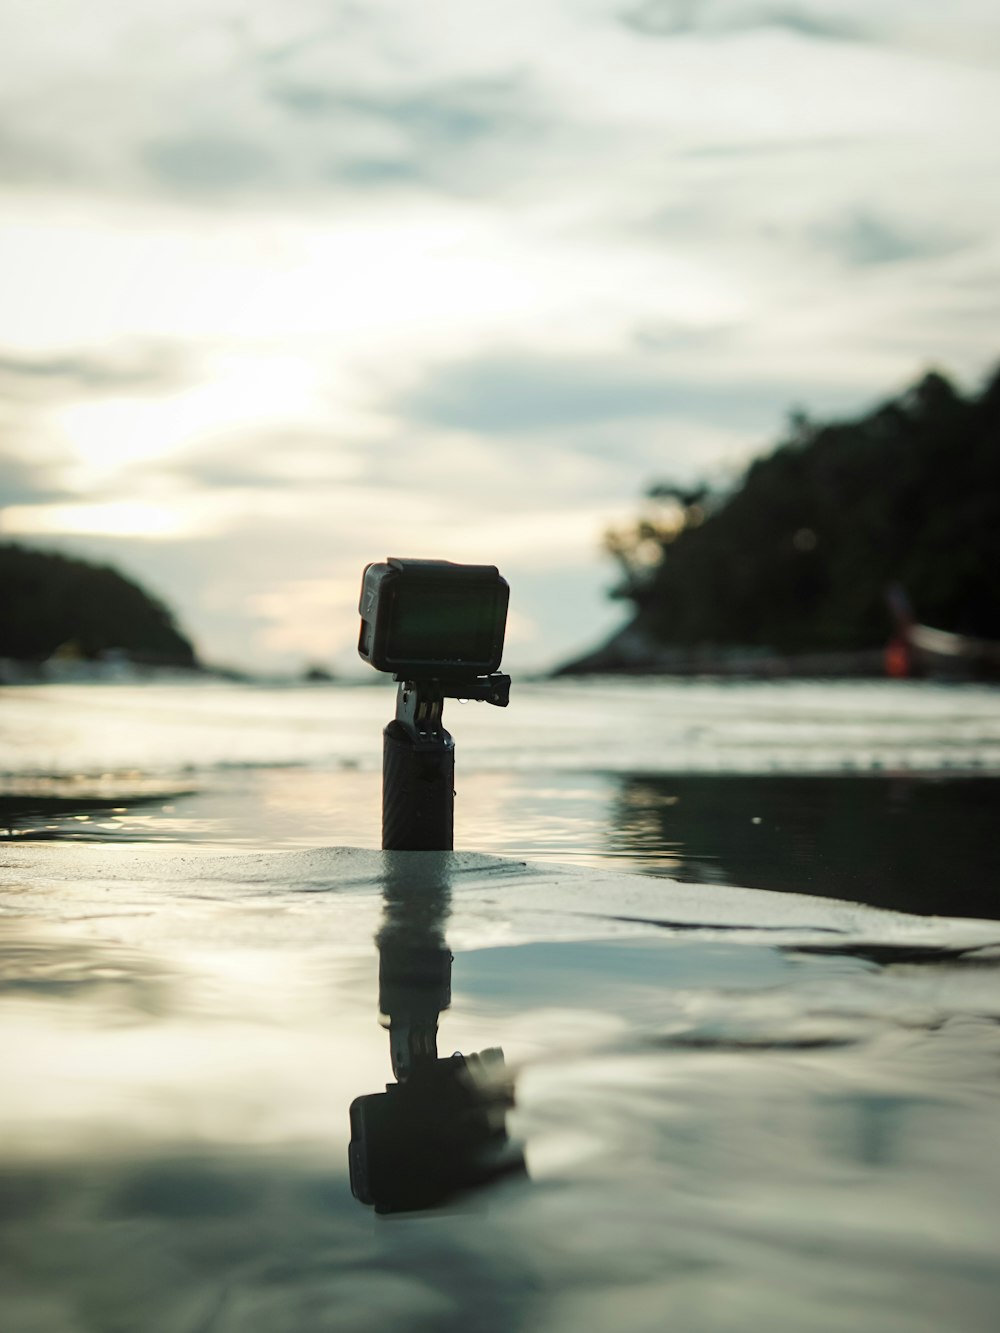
x=886, y=793
x=745, y=1095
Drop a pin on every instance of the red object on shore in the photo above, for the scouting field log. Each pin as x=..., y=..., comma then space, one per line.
x=898, y=658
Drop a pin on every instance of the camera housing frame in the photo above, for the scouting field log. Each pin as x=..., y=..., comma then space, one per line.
x=432, y=619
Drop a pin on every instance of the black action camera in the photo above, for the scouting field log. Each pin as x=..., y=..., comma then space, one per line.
x=431, y=619
x=438, y=628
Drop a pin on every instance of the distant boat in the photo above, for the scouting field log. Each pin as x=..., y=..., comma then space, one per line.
x=925, y=650
x=941, y=644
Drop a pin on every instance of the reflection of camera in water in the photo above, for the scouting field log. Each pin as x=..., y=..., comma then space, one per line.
x=442, y=1132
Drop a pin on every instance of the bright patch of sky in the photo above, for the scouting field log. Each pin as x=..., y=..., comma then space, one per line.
x=291, y=287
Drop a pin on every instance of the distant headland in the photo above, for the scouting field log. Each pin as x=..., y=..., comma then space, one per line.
x=851, y=541
x=66, y=612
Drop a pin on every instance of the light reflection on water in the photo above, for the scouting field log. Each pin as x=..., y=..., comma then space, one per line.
x=738, y=1112
x=914, y=843
x=885, y=792
x=649, y=726
x=711, y=1119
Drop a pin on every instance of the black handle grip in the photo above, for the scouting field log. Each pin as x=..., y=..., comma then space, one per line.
x=418, y=792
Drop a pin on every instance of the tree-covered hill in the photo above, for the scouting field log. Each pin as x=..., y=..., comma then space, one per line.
x=799, y=557
x=52, y=602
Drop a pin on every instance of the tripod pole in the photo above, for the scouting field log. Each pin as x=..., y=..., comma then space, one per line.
x=418, y=773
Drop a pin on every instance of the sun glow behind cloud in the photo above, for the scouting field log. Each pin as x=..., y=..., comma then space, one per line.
x=117, y=518
x=246, y=392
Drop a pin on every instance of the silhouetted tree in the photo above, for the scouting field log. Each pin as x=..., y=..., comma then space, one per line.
x=51, y=600
x=799, y=555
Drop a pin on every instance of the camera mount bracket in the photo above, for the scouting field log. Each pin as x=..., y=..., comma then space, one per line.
x=420, y=703
x=418, y=760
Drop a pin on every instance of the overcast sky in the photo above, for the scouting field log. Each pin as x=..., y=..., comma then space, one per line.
x=292, y=285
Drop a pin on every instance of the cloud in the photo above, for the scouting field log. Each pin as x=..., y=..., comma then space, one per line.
x=286, y=459
x=965, y=30
x=26, y=160
x=768, y=148
x=513, y=395
x=37, y=462
x=672, y=18
x=322, y=130
x=449, y=133
x=271, y=105
x=864, y=238
x=447, y=114
x=207, y=162
x=375, y=172
x=149, y=369
x=25, y=483
x=279, y=107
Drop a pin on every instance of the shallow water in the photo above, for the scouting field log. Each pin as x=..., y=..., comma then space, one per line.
x=738, y=1109
x=887, y=793
x=759, y=1110
x=637, y=726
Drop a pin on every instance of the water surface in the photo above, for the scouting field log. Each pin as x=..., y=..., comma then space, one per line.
x=887, y=793
x=737, y=1108
x=758, y=1107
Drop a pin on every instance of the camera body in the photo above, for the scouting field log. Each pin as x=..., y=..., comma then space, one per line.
x=432, y=619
